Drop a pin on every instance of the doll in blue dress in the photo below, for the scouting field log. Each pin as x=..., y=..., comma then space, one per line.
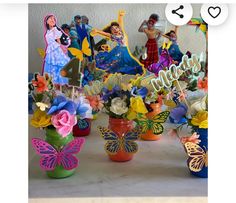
x=119, y=59
x=56, y=50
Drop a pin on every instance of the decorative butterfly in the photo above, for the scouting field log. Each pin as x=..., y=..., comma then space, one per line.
x=79, y=53
x=154, y=123
x=42, y=106
x=83, y=124
x=50, y=157
x=115, y=143
x=198, y=158
x=41, y=52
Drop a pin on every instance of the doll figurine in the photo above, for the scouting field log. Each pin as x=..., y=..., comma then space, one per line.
x=56, y=50
x=83, y=30
x=148, y=27
x=73, y=37
x=119, y=59
x=174, y=49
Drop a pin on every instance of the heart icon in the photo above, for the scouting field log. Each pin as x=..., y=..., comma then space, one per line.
x=214, y=11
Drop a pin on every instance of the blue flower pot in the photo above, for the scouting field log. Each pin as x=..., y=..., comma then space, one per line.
x=204, y=145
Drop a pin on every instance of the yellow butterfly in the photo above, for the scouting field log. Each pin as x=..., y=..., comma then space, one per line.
x=198, y=158
x=79, y=53
x=42, y=106
x=41, y=52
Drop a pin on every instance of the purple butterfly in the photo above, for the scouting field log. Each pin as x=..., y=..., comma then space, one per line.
x=164, y=62
x=50, y=157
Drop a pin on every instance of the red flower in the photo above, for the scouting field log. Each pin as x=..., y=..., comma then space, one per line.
x=203, y=84
x=40, y=83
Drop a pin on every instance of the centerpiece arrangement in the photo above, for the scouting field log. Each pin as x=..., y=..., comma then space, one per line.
x=128, y=105
x=57, y=114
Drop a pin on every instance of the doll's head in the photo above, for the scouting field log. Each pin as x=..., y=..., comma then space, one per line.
x=114, y=29
x=150, y=24
x=50, y=21
x=172, y=35
x=66, y=28
x=85, y=20
x=152, y=20
x=77, y=19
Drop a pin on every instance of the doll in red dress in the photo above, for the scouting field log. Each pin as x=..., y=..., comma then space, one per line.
x=148, y=27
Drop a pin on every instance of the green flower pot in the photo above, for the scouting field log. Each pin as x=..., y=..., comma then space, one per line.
x=57, y=141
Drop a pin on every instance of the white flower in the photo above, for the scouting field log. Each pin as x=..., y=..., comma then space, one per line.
x=118, y=106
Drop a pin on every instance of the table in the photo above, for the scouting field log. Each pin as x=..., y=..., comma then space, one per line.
x=158, y=170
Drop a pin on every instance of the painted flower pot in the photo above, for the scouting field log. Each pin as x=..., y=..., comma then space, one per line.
x=203, y=173
x=82, y=128
x=57, y=141
x=149, y=135
x=120, y=127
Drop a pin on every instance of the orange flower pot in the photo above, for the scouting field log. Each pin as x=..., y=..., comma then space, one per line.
x=149, y=135
x=120, y=126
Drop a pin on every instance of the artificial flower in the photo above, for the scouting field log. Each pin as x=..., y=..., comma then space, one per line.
x=200, y=119
x=61, y=103
x=199, y=105
x=40, y=83
x=63, y=121
x=95, y=102
x=202, y=84
x=135, y=91
x=193, y=138
x=109, y=93
x=83, y=110
x=40, y=119
x=136, y=106
x=178, y=113
x=118, y=106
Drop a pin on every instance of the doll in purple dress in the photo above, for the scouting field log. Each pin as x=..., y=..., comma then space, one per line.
x=56, y=50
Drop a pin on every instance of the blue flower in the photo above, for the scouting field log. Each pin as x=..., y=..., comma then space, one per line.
x=139, y=92
x=178, y=113
x=83, y=109
x=115, y=92
x=61, y=103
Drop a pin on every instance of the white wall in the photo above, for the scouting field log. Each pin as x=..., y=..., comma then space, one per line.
x=100, y=15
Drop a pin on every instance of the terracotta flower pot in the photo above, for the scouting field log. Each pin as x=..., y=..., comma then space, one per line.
x=149, y=135
x=120, y=126
x=82, y=128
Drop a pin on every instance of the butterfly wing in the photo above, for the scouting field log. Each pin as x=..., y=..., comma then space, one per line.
x=47, y=152
x=157, y=127
x=143, y=122
x=76, y=52
x=112, y=145
x=85, y=47
x=68, y=160
x=128, y=141
x=197, y=155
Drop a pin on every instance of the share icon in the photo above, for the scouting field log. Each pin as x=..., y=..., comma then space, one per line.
x=175, y=11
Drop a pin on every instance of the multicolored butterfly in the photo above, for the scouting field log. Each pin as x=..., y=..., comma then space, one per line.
x=154, y=123
x=79, y=53
x=198, y=158
x=83, y=124
x=51, y=157
x=115, y=143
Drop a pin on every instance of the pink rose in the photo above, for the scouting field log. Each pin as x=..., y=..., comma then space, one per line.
x=63, y=121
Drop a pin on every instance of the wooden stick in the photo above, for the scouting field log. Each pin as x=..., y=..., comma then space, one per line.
x=182, y=94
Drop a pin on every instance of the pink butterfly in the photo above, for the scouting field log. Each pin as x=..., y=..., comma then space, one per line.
x=50, y=157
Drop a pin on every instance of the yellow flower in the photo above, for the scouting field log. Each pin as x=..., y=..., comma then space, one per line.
x=40, y=119
x=200, y=119
x=136, y=106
